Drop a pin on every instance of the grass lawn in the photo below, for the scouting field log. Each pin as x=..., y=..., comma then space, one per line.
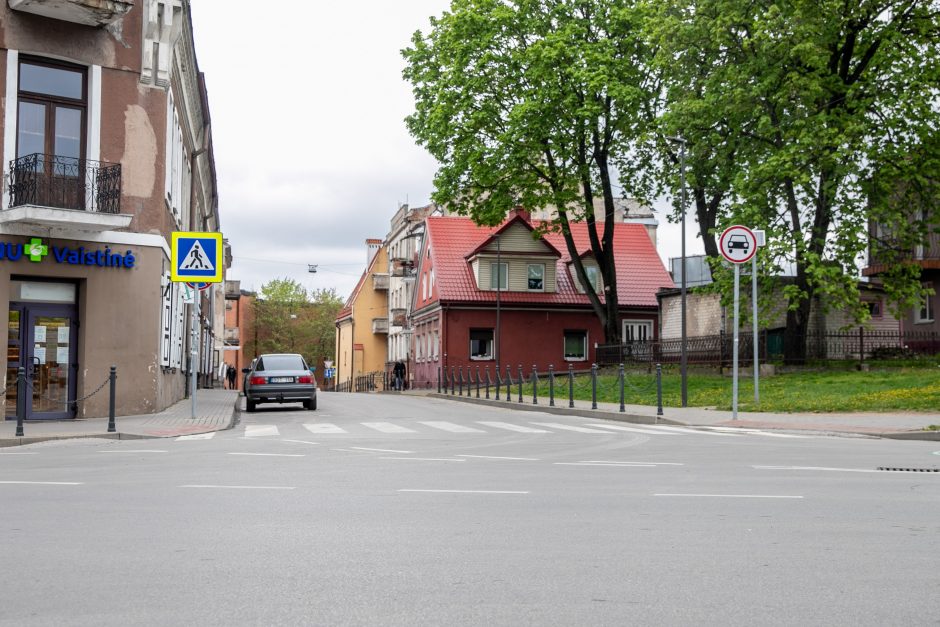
x=878, y=390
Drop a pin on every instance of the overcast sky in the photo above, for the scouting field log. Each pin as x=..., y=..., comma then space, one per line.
x=311, y=149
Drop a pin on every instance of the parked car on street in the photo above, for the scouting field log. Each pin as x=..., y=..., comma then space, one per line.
x=280, y=378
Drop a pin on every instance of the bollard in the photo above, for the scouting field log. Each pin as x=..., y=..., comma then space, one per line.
x=478, y=382
x=508, y=383
x=113, y=381
x=551, y=385
x=535, y=386
x=659, y=390
x=487, y=383
x=460, y=380
x=521, y=377
x=453, y=380
x=622, y=408
x=593, y=386
x=438, y=379
x=498, y=382
x=570, y=386
x=20, y=399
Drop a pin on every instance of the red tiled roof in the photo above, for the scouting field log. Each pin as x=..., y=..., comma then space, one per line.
x=640, y=271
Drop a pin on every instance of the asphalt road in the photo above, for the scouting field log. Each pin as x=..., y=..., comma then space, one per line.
x=394, y=510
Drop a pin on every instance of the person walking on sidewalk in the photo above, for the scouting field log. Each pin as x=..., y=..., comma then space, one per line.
x=230, y=376
x=399, y=372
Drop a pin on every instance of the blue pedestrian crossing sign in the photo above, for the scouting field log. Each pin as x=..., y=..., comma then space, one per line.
x=196, y=257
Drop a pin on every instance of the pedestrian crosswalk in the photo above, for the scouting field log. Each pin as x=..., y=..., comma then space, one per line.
x=487, y=426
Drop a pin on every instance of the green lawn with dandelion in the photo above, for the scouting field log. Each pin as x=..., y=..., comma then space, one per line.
x=878, y=390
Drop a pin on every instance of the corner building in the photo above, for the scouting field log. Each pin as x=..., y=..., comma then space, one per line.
x=106, y=152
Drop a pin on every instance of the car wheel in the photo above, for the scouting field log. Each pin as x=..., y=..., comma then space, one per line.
x=250, y=405
x=311, y=404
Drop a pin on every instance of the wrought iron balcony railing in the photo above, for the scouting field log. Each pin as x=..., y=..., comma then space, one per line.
x=65, y=183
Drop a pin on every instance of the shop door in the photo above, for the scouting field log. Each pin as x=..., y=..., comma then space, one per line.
x=42, y=340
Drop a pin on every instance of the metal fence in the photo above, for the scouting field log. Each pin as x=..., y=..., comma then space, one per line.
x=856, y=345
x=361, y=383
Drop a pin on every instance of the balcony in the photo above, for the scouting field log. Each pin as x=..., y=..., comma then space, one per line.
x=231, y=336
x=52, y=190
x=88, y=12
x=380, y=325
x=380, y=281
x=398, y=317
x=402, y=268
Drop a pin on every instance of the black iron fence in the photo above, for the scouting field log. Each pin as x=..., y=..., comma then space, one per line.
x=856, y=345
x=360, y=383
x=66, y=183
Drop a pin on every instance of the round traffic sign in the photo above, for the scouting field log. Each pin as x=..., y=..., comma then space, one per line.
x=737, y=244
x=199, y=286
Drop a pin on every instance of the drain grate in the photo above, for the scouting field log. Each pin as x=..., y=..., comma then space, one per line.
x=894, y=469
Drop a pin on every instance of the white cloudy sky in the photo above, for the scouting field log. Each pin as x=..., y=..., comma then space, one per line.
x=312, y=154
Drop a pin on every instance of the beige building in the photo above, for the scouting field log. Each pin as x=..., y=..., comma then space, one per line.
x=362, y=324
x=106, y=152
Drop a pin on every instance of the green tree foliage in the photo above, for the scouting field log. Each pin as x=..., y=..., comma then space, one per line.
x=809, y=119
x=290, y=319
x=537, y=103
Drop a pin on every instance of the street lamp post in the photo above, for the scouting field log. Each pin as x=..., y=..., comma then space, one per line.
x=683, y=358
x=499, y=278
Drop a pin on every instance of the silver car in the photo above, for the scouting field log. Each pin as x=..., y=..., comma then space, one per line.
x=280, y=378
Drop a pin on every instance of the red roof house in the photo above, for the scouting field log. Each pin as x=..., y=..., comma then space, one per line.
x=540, y=315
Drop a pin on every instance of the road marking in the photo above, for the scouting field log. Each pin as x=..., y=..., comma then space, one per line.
x=739, y=496
x=757, y=432
x=42, y=482
x=23, y=453
x=449, y=426
x=609, y=464
x=606, y=461
x=139, y=450
x=388, y=427
x=196, y=436
x=671, y=429
x=511, y=427
x=521, y=459
x=271, y=454
x=257, y=431
x=241, y=487
x=471, y=491
x=323, y=428
x=380, y=450
x=556, y=425
x=427, y=459
x=301, y=441
x=815, y=468
x=633, y=429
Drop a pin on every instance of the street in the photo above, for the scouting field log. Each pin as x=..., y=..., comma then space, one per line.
x=399, y=510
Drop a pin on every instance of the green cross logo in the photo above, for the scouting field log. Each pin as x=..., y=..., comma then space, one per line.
x=36, y=250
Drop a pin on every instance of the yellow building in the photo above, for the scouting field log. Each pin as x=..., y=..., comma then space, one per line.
x=362, y=324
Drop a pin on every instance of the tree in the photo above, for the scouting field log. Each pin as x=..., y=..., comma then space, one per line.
x=821, y=99
x=537, y=103
x=289, y=319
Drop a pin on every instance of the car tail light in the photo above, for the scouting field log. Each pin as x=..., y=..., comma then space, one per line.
x=304, y=379
x=257, y=381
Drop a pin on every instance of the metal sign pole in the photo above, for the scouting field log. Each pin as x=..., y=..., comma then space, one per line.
x=734, y=368
x=754, y=309
x=194, y=352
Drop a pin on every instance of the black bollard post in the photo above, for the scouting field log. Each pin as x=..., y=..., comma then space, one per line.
x=478, y=382
x=570, y=386
x=113, y=381
x=521, y=378
x=659, y=390
x=487, y=370
x=453, y=380
x=593, y=386
x=498, y=381
x=508, y=383
x=622, y=408
x=551, y=385
x=438, y=379
x=535, y=386
x=460, y=381
x=20, y=399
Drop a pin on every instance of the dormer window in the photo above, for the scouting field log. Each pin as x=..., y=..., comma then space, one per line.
x=536, y=277
x=502, y=273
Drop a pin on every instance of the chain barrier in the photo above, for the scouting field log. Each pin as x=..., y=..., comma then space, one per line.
x=66, y=403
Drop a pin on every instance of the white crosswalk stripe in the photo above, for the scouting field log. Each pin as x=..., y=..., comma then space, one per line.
x=511, y=427
x=556, y=425
x=388, y=427
x=674, y=429
x=632, y=429
x=323, y=427
x=255, y=431
x=451, y=427
x=197, y=436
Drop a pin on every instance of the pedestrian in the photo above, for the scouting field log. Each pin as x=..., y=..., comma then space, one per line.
x=399, y=375
x=230, y=375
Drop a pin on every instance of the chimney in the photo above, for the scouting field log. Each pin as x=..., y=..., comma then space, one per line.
x=520, y=211
x=372, y=247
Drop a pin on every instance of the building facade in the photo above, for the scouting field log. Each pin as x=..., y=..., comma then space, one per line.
x=362, y=324
x=106, y=152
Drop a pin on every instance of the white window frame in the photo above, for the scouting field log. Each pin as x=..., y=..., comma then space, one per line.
x=501, y=276
x=541, y=278
x=636, y=330
x=924, y=314
x=564, y=342
x=490, y=344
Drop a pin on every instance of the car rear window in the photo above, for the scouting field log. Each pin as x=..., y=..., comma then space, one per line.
x=281, y=362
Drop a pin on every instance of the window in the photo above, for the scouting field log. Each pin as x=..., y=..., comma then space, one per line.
x=925, y=312
x=481, y=343
x=594, y=277
x=874, y=308
x=537, y=276
x=575, y=345
x=637, y=330
x=503, y=274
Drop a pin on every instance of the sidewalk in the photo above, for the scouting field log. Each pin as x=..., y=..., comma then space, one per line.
x=215, y=411
x=897, y=425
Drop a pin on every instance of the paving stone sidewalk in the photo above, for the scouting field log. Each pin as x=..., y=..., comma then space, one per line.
x=215, y=410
